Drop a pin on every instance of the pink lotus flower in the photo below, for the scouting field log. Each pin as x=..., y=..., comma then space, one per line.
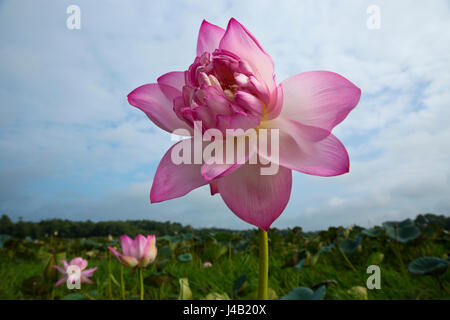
x=207, y=264
x=139, y=252
x=71, y=275
x=231, y=85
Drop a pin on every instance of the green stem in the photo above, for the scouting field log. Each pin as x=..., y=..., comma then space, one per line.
x=442, y=288
x=122, y=283
x=402, y=266
x=87, y=295
x=141, y=280
x=349, y=262
x=263, y=265
x=109, y=275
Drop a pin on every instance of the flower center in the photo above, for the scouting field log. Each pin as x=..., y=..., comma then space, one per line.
x=222, y=92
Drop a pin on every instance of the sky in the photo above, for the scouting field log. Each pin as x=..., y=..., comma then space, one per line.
x=72, y=147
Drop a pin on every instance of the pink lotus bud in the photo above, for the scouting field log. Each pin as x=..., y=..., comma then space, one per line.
x=139, y=252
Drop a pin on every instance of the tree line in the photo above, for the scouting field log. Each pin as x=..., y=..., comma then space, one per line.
x=81, y=229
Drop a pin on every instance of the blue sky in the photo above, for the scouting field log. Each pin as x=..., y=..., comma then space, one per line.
x=71, y=146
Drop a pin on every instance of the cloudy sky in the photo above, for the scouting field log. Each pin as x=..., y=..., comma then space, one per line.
x=71, y=146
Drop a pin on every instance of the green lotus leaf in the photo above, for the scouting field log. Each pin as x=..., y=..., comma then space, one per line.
x=164, y=252
x=300, y=264
x=373, y=232
x=400, y=224
x=173, y=239
x=325, y=283
x=402, y=231
x=3, y=238
x=303, y=293
x=223, y=237
x=74, y=296
x=428, y=266
x=327, y=249
x=90, y=244
x=349, y=245
x=242, y=245
x=240, y=284
x=188, y=236
x=212, y=253
x=185, y=257
x=271, y=295
x=157, y=279
x=408, y=233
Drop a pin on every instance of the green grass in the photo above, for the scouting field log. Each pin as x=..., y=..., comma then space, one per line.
x=20, y=261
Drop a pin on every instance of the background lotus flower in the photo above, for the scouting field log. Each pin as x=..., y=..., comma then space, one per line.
x=139, y=252
x=207, y=264
x=82, y=264
x=231, y=85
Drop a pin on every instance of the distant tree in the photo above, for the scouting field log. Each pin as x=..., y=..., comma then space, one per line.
x=6, y=225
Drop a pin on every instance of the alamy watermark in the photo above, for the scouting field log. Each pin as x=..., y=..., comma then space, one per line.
x=374, y=281
x=374, y=19
x=74, y=20
x=252, y=146
x=73, y=277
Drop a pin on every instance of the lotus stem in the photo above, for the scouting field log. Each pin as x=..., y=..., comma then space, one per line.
x=122, y=283
x=109, y=275
x=141, y=280
x=87, y=295
x=263, y=265
x=442, y=288
x=402, y=265
x=349, y=262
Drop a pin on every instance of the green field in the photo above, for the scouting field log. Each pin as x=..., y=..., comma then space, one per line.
x=332, y=263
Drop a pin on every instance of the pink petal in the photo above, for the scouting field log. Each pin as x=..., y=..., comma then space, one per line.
x=240, y=41
x=214, y=188
x=148, y=245
x=60, y=281
x=173, y=181
x=209, y=37
x=249, y=102
x=80, y=262
x=275, y=104
x=127, y=245
x=318, y=98
x=220, y=168
x=59, y=269
x=84, y=279
x=308, y=149
x=215, y=171
x=89, y=272
x=174, y=79
x=255, y=198
x=65, y=264
x=153, y=253
x=150, y=249
x=115, y=252
x=154, y=103
x=139, y=244
x=237, y=121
